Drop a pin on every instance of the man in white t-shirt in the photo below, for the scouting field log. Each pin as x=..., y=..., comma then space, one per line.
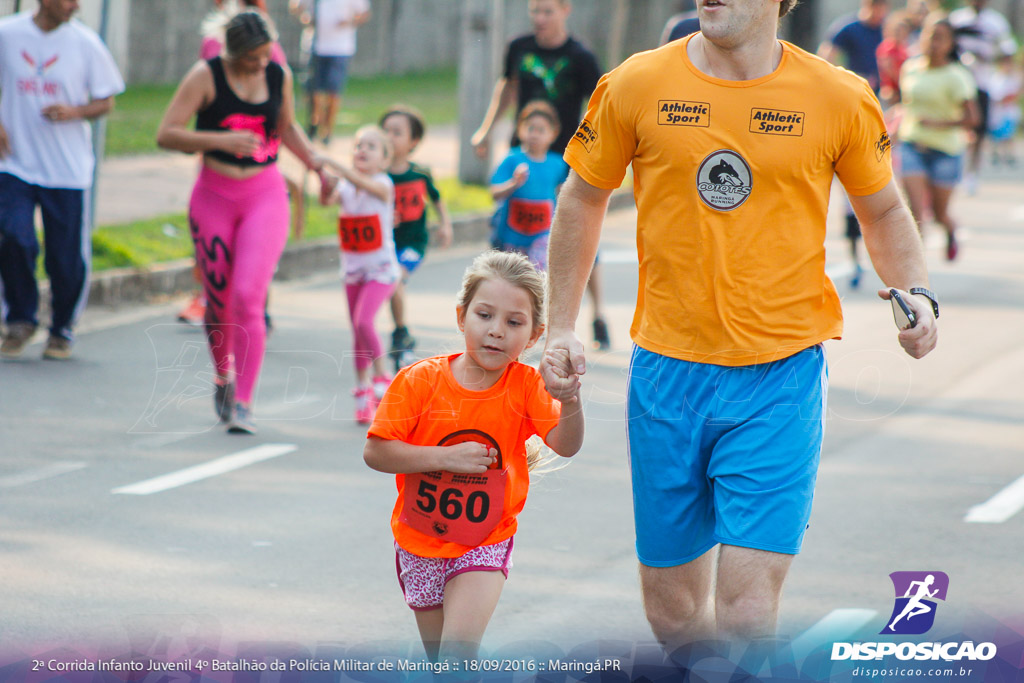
x=982, y=34
x=334, y=44
x=55, y=76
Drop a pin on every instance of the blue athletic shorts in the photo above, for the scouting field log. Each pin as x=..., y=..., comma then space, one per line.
x=330, y=73
x=941, y=169
x=410, y=259
x=723, y=454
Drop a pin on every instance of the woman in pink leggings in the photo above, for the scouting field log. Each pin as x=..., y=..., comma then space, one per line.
x=242, y=104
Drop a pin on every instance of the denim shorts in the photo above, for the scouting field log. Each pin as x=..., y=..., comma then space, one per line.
x=723, y=454
x=941, y=169
x=330, y=73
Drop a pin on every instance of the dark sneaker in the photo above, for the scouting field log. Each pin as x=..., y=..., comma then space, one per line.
x=401, y=340
x=242, y=421
x=952, y=247
x=57, y=348
x=224, y=400
x=601, y=339
x=402, y=344
x=17, y=338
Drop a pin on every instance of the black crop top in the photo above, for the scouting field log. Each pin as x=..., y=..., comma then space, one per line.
x=228, y=112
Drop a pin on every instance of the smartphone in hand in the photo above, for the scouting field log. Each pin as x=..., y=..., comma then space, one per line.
x=902, y=313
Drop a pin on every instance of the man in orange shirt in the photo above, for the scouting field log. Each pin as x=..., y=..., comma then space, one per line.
x=734, y=137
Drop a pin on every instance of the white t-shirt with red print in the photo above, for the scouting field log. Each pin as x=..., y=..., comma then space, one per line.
x=69, y=65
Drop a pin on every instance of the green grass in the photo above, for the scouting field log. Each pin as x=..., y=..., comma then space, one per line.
x=435, y=93
x=141, y=244
x=131, y=127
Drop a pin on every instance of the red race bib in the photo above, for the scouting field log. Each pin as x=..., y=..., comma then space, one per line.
x=410, y=200
x=530, y=216
x=360, y=233
x=460, y=508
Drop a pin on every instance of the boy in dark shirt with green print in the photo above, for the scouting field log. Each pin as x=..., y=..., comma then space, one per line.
x=413, y=185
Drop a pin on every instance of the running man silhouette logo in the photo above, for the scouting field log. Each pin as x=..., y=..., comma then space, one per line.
x=916, y=593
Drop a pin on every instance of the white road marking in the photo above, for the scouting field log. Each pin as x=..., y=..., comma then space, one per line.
x=836, y=625
x=39, y=474
x=999, y=507
x=228, y=463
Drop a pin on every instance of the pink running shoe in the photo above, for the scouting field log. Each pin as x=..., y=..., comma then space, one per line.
x=380, y=387
x=365, y=406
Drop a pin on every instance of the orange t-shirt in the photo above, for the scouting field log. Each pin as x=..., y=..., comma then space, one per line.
x=732, y=183
x=426, y=406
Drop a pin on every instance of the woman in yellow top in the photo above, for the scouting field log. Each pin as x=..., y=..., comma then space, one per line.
x=939, y=110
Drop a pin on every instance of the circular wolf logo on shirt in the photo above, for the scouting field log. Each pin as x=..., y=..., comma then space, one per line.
x=724, y=180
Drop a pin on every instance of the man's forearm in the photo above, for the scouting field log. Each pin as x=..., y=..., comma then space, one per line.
x=96, y=108
x=501, y=98
x=895, y=248
x=575, y=235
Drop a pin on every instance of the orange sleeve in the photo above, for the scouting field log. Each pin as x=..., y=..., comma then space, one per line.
x=605, y=142
x=865, y=163
x=402, y=406
x=542, y=410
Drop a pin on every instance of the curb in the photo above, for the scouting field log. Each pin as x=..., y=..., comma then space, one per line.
x=120, y=286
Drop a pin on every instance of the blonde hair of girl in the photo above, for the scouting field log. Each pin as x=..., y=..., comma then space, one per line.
x=516, y=270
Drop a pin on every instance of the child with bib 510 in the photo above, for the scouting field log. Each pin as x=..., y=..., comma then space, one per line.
x=368, y=261
x=454, y=429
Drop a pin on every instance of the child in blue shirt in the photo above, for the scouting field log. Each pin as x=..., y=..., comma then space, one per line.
x=526, y=184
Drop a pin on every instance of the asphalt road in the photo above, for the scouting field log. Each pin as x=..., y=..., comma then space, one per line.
x=293, y=544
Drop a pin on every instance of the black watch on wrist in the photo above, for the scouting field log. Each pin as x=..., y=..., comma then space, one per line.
x=929, y=294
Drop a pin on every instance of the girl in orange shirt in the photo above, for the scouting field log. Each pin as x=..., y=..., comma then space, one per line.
x=454, y=429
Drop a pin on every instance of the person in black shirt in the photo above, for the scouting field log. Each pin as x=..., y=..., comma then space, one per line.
x=548, y=64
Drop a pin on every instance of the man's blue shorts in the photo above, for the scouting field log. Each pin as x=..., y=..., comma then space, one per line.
x=330, y=73
x=723, y=454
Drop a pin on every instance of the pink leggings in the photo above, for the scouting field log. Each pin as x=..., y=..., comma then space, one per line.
x=239, y=229
x=364, y=300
